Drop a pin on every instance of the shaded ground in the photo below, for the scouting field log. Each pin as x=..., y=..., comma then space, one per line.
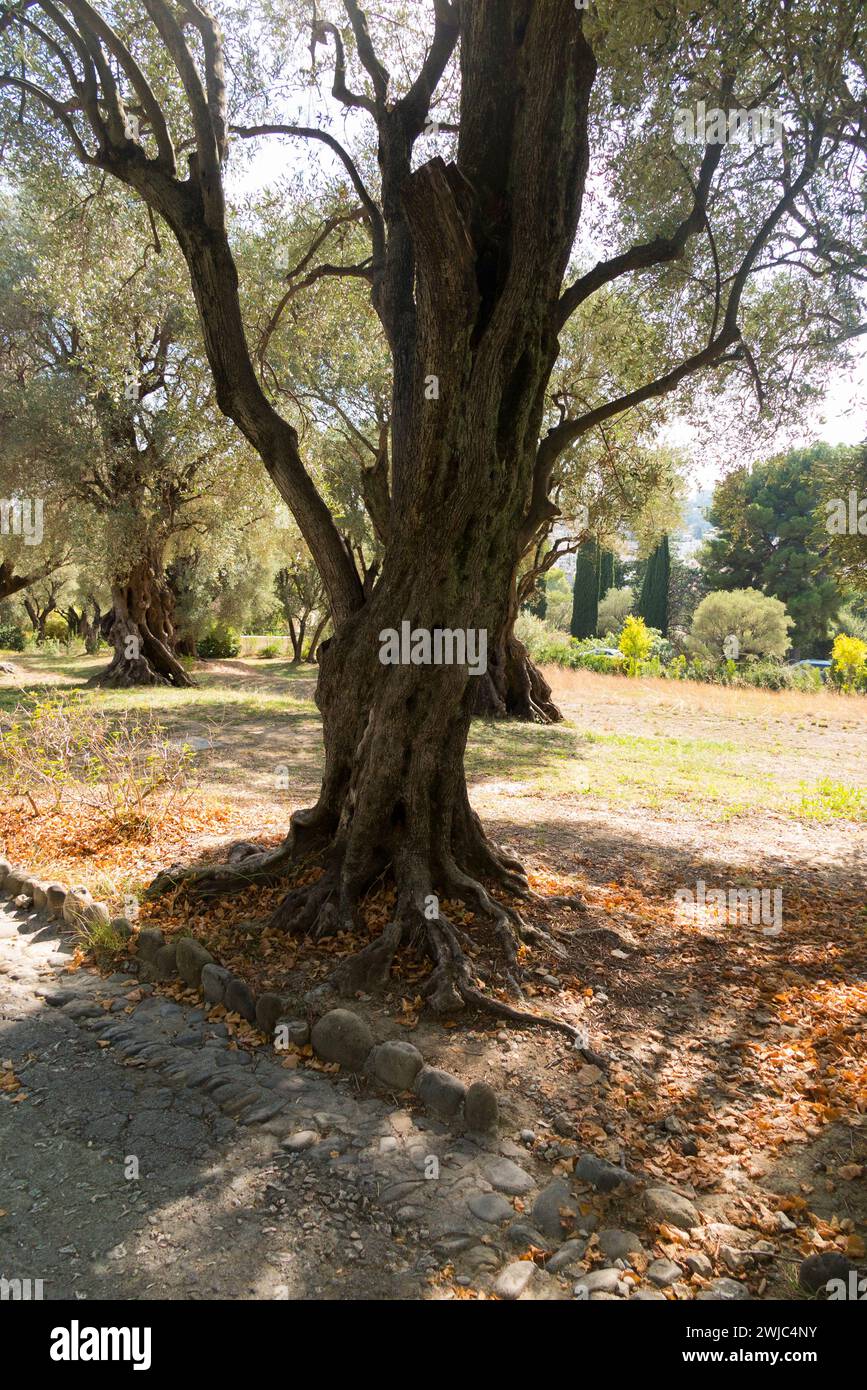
x=211, y=1211
x=738, y=1060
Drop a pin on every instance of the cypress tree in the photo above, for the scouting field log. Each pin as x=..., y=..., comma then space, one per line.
x=653, y=601
x=585, y=593
x=606, y=572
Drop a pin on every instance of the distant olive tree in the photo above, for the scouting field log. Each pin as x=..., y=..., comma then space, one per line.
x=758, y=624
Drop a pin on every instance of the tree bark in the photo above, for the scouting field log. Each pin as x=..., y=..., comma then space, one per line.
x=314, y=640
x=513, y=686
x=142, y=631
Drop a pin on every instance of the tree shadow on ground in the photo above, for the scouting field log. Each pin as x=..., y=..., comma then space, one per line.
x=211, y=1215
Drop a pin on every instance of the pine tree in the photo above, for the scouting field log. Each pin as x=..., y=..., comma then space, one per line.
x=585, y=593
x=653, y=602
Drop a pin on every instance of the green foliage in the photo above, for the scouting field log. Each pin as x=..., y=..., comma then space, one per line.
x=219, y=642
x=852, y=619
x=12, y=637
x=686, y=589
x=585, y=591
x=102, y=939
x=549, y=648
x=597, y=661
x=57, y=629
x=125, y=770
x=613, y=610
x=767, y=539
x=606, y=572
x=841, y=481
x=635, y=643
x=653, y=601
x=831, y=800
x=558, y=600
x=759, y=623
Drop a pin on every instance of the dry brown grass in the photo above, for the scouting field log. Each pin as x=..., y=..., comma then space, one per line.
x=704, y=698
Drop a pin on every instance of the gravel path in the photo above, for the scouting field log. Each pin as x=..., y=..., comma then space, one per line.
x=144, y=1155
x=217, y=1209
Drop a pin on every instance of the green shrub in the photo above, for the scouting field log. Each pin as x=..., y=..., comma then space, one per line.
x=11, y=637
x=269, y=651
x=614, y=609
x=57, y=629
x=603, y=665
x=56, y=751
x=759, y=623
x=219, y=642
x=636, y=642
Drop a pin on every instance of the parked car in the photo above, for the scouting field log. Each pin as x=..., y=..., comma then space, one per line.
x=823, y=667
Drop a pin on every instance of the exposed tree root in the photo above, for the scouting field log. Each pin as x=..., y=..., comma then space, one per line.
x=266, y=866
x=329, y=904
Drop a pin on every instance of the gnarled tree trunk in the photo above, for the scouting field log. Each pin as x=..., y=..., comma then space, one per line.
x=513, y=686
x=142, y=631
x=467, y=289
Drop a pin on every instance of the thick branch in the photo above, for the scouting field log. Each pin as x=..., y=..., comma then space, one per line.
x=645, y=254
x=372, y=66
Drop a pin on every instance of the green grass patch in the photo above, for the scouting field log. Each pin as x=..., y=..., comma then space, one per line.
x=829, y=800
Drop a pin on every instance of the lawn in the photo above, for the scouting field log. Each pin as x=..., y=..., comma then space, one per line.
x=780, y=767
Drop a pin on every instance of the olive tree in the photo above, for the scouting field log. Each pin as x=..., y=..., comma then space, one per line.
x=752, y=251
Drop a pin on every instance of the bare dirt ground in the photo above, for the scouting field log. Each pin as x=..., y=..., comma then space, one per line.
x=735, y=1058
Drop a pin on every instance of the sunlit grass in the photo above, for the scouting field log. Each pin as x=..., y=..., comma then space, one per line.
x=830, y=800
x=248, y=716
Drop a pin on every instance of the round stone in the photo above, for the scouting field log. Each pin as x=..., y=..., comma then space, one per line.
x=489, y=1206
x=165, y=962
x=56, y=895
x=598, y=1281
x=555, y=1210
x=192, y=957
x=269, y=1007
x=148, y=942
x=239, y=999
x=666, y=1205
x=301, y=1139
x=342, y=1036
x=78, y=899
x=481, y=1108
x=662, y=1273
x=619, y=1245
x=396, y=1064
x=723, y=1290
x=440, y=1092
x=515, y=1279
x=213, y=982
x=506, y=1176
x=817, y=1270
x=291, y=1032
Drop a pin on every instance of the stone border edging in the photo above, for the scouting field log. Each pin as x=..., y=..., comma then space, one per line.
x=338, y=1035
